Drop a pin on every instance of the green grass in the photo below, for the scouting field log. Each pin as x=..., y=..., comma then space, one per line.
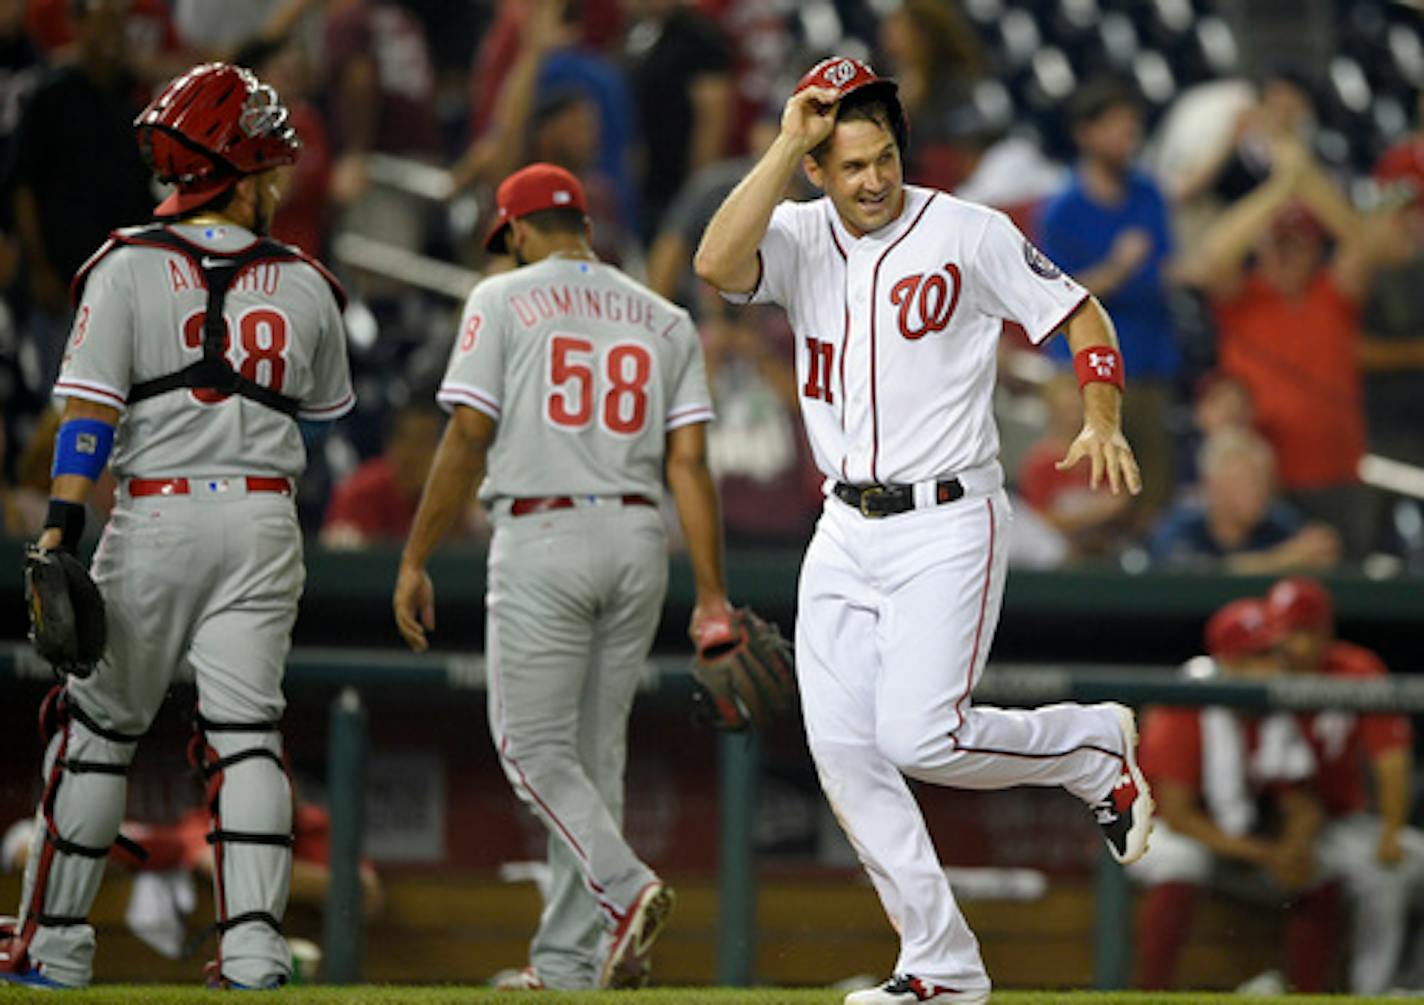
x=141, y=994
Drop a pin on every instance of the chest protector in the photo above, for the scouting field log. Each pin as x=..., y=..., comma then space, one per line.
x=218, y=269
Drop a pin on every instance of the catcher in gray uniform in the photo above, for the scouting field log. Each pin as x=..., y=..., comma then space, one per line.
x=571, y=388
x=196, y=345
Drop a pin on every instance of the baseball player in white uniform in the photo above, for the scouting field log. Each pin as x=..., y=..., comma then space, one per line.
x=572, y=389
x=897, y=294
x=201, y=561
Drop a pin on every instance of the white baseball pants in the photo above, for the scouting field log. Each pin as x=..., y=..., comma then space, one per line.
x=896, y=616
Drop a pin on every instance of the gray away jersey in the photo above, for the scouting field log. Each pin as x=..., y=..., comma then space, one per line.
x=585, y=371
x=142, y=317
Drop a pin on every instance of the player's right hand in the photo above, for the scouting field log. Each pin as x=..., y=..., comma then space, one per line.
x=809, y=117
x=414, y=605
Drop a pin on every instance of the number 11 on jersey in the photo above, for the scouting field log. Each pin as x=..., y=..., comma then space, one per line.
x=819, y=359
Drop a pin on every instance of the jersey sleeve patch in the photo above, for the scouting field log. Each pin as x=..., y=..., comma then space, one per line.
x=451, y=395
x=88, y=390
x=1039, y=263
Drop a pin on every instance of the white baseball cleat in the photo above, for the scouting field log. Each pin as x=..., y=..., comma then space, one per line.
x=902, y=989
x=1125, y=813
x=628, y=963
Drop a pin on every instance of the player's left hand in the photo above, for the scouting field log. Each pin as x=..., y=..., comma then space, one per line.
x=414, y=604
x=1390, y=851
x=1108, y=452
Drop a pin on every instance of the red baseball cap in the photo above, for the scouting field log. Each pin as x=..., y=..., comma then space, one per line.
x=843, y=75
x=1299, y=602
x=530, y=190
x=846, y=75
x=1241, y=628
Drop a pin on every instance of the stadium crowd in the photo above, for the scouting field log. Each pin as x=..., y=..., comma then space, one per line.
x=1253, y=229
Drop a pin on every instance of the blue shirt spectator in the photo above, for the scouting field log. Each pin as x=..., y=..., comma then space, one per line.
x=579, y=69
x=1184, y=535
x=1078, y=232
x=1109, y=230
x=1238, y=524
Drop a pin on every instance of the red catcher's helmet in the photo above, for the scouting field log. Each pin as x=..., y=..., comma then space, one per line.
x=1241, y=628
x=1300, y=602
x=210, y=127
x=848, y=76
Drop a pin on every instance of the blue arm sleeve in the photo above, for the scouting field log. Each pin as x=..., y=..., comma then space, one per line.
x=82, y=448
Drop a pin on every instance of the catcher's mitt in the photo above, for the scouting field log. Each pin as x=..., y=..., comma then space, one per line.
x=67, y=625
x=747, y=679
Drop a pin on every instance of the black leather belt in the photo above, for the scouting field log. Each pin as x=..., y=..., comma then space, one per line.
x=875, y=501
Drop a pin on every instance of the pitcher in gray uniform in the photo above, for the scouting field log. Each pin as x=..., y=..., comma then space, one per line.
x=572, y=389
x=196, y=346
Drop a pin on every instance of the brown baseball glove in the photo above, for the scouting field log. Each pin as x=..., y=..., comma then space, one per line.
x=745, y=678
x=67, y=625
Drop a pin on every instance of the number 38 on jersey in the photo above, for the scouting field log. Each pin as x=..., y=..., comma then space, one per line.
x=262, y=347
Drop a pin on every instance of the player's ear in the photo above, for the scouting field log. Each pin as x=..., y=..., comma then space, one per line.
x=812, y=168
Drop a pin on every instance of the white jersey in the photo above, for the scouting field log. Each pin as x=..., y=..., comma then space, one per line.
x=898, y=331
x=585, y=371
x=141, y=317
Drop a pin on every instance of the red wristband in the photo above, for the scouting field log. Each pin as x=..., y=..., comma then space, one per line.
x=1098, y=363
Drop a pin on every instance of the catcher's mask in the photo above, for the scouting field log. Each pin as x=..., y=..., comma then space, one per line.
x=210, y=127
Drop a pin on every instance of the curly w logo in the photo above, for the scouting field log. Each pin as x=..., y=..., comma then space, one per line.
x=926, y=303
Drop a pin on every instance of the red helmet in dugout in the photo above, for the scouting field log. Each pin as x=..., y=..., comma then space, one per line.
x=209, y=128
x=848, y=77
x=1300, y=603
x=1240, y=629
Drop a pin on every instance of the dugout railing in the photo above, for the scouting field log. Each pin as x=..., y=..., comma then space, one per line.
x=1003, y=684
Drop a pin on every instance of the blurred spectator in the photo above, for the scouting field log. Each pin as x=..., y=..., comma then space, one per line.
x=564, y=130
x=763, y=41
x=1238, y=524
x=1379, y=858
x=1392, y=348
x=1223, y=402
x=77, y=173
x=21, y=66
x=1012, y=174
x=376, y=503
x=934, y=56
x=303, y=213
x=220, y=27
x=497, y=150
x=154, y=52
x=670, y=254
x=1241, y=158
x=381, y=89
x=679, y=70
x=1092, y=522
x=567, y=61
x=1289, y=330
x=770, y=490
x=1109, y=228
x=1235, y=812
